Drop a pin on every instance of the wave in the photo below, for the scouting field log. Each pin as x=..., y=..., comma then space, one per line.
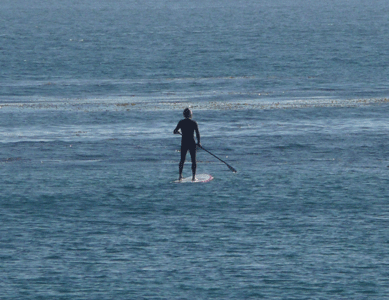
x=175, y=102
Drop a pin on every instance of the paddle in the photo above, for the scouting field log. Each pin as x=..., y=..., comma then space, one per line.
x=230, y=167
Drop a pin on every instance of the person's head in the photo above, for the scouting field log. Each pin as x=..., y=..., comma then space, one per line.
x=187, y=113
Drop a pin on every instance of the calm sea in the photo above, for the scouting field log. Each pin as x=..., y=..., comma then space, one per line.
x=293, y=94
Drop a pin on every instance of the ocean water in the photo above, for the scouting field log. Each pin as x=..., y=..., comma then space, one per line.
x=292, y=94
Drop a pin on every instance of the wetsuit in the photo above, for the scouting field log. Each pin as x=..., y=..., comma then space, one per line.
x=188, y=128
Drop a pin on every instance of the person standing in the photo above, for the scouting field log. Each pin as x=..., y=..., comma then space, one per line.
x=188, y=128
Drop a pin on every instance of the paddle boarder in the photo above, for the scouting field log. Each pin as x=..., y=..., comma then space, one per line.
x=188, y=128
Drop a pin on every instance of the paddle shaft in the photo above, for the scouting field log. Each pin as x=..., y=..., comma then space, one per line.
x=230, y=167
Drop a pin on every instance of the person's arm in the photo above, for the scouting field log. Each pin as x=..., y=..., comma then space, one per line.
x=177, y=128
x=197, y=134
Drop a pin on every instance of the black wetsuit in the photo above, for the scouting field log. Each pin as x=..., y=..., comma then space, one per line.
x=188, y=128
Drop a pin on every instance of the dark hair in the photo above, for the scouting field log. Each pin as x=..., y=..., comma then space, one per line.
x=187, y=113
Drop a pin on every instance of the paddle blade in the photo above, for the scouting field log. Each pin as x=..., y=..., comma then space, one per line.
x=232, y=169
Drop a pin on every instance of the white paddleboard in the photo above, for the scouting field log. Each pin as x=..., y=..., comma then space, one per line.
x=199, y=178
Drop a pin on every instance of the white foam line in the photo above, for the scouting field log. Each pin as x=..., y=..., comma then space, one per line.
x=133, y=105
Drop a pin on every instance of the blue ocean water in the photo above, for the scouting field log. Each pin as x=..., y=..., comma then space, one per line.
x=293, y=94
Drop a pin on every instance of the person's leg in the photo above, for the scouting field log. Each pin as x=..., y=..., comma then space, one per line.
x=192, y=152
x=182, y=161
